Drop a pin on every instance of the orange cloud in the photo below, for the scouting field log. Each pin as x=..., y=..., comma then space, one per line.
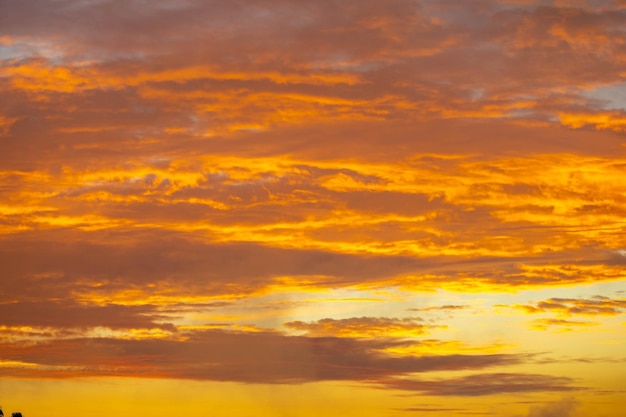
x=368, y=327
x=561, y=325
x=614, y=120
x=596, y=306
x=448, y=307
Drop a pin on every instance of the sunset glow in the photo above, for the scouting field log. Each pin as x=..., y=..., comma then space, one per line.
x=265, y=208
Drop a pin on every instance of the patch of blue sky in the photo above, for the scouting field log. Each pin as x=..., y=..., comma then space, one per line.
x=24, y=49
x=8, y=52
x=345, y=62
x=610, y=97
x=476, y=14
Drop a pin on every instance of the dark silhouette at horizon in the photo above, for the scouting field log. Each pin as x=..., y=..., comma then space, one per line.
x=16, y=414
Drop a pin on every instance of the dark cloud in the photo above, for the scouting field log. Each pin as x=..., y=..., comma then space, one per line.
x=42, y=268
x=563, y=408
x=70, y=314
x=241, y=357
x=426, y=410
x=205, y=65
x=485, y=384
x=66, y=264
x=253, y=31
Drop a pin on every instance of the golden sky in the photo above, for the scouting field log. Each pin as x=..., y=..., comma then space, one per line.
x=261, y=208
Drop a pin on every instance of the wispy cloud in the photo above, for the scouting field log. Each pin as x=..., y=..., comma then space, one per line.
x=563, y=408
x=595, y=306
x=365, y=327
x=486, y=384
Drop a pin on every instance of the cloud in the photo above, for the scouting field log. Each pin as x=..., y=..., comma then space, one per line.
x=163, y=158
x=614, y=120
x=376, y=327
x=561, y=325
x=426, y=410
x=485, y=384
x=153, y=266
x=447, y=307
x=74, y=315
x=563, y=408
x=562, y=310
x=226, y=356
x=349, y=63
x=595, y=306
x=43, y=267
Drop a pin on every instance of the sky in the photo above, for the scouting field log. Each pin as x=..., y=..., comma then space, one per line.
x=257, y=208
